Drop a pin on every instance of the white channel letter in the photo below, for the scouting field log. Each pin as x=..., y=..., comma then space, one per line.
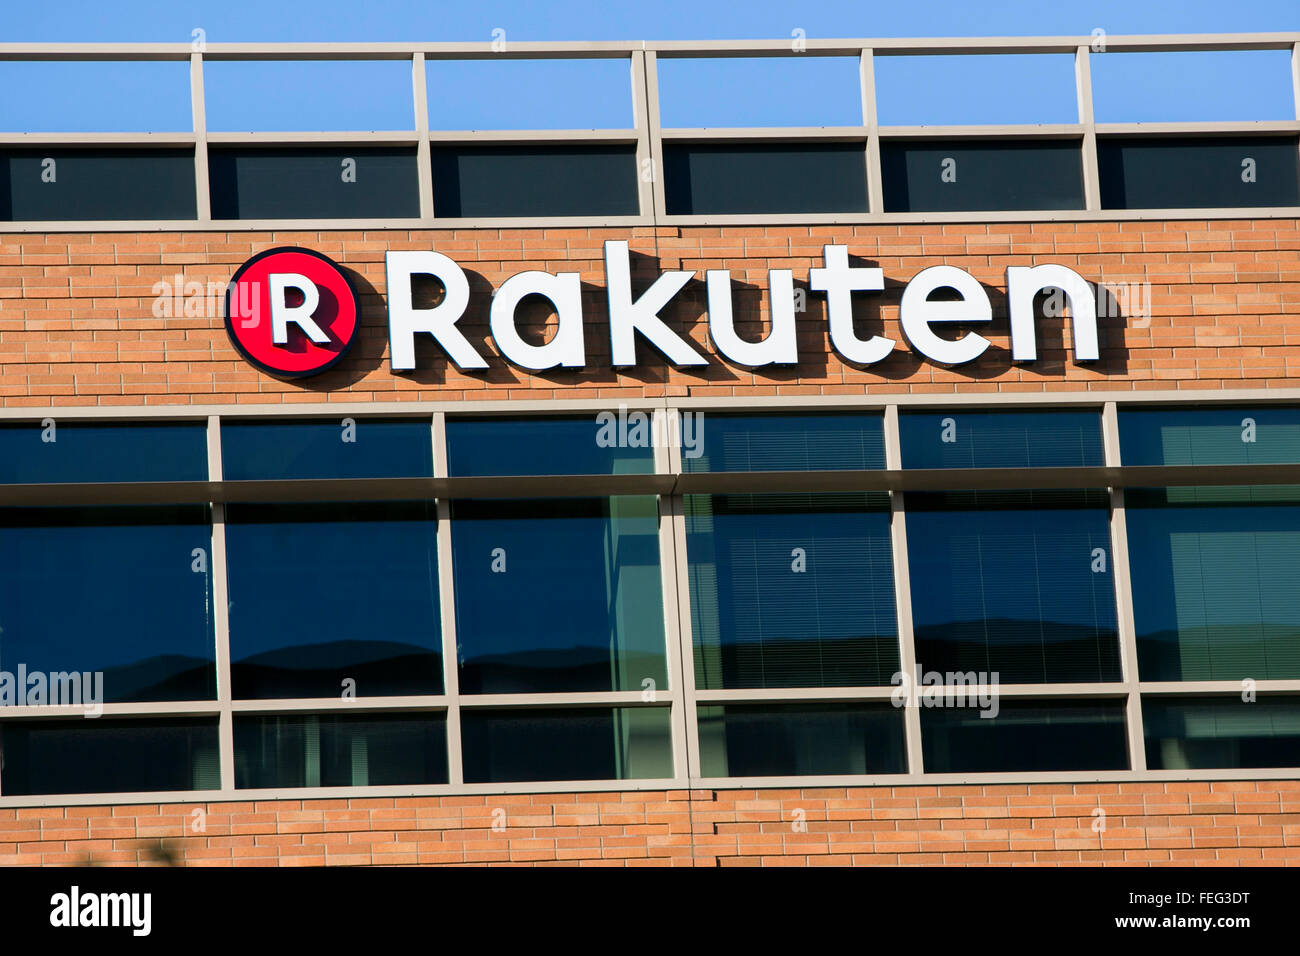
x=626, y=318
x=780, y=346
x=1025, y=282
x=299, y=315
x=565, y=347
x=839, y=281
x=918, y=312
x=404, y=320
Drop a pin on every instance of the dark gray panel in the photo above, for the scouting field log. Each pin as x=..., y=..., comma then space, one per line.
x=984, y=176
x=296, y=183
x=1197, y=172
x=718, y=179
x=89, y=184
x=497, y=181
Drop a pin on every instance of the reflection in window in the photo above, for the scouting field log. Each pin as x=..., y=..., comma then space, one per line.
x=49, y=451
x=122, y=590
x=974, y=439
x=339, y=448
x=777, y=740
x=504, y=181
x=930, y=176
x=579, y=743
x=1221, y=733
x=558, y=595
x=598, y=444
x=1215, y=574
x=109, y=755
x=1018, y=584
x=791, y=590
x=353, y=750
x=1197, y=172
x=328, y=598
x=1025, y=735
x=703, y=179
x=1209, y=436
x=781, y=442
x=333, y=182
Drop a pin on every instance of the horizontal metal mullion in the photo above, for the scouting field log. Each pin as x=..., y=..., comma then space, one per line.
x=1263, y=127
x=447, y=137
x=1021, y=131
x=122, y=138
x=1225, y=688
x=618, y=698
x=313, y=137
x=360, y=704
x=781, y=133
x=171, y=708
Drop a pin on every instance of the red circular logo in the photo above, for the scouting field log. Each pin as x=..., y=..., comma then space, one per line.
x=291, y=312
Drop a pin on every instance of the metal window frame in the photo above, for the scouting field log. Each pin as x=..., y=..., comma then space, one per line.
x=668, y=482
x=646, y=135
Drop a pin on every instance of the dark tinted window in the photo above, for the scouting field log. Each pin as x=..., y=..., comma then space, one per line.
x=1221, y=733
x=926, y=176
x=579, y=743
x=1209, y=436
x=607, y=443
x=108, y=755
x=55, y=183
x=1216, y=572
x=721, y=178
x=957, y=439
x=781, y=442
x=1192, y=172
x=39, y=453
x=339, y=182
x=1025, y=735
x=320, y=750
x=558, y=595
x=498, y=181
x=332, y=598
x=341, y=448
x=776, y=740
x=122, y=590
x=1018, y=584
x=791, y=590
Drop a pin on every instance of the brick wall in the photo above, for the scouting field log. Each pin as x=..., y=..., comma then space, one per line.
x=77, y=323
x=1152, y=823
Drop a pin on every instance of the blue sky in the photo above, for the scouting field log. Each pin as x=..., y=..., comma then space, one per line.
x=595, y=94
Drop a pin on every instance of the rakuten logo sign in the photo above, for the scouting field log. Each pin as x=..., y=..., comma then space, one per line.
x=311, y=319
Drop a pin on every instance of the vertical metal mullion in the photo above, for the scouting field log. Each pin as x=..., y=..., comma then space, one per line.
x=654, y=134
x=903, y=593
x=199, y=114
x=678, y=575
x=1295, y=77
x=645, y=155
x=423, y=155
x=221, y=613
x=668, y=461
x=871, y=120
x=1083, y=91
x=447, y=607
x=1123, y=593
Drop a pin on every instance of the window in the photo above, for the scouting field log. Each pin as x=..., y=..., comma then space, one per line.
x=558, y=595
x=49, y=451
x=579, y=743
x=342, y=448
x=85, y=184
x=722, y=178
x=1209, y=436
x=335, y=182
x=974, y=439
x=930, y=176
x=791, y=590
x=1227, y=733
x=590, y=445
x=481, y=182
x=1025, y=735
x=1014, y=584
x=781, y=442
x=330, y=600
x=353, y=750
x=1198, y=172
x=767, y=740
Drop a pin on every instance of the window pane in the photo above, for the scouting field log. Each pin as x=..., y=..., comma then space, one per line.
x=166, y=451
x=122, y=590
x=1013, y=584
x=558, y=595
x=1198, y=172
x=604, y=444
x=338, y=182
x=952, y=439
x=929, y=176
x=1215, y=573
x=321, y=750
x=344, y=448
x=765, y=740
x=544, y=94
x=503, y=181
x=791, y=590
x=1209, y=436
x=781, y=442
x=1026, y=735
x=698, y=92
x=1221, y=733
x=721, y=178
x=108, y=755
x=587, y=743
x=96, y=184
x=321, y=595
